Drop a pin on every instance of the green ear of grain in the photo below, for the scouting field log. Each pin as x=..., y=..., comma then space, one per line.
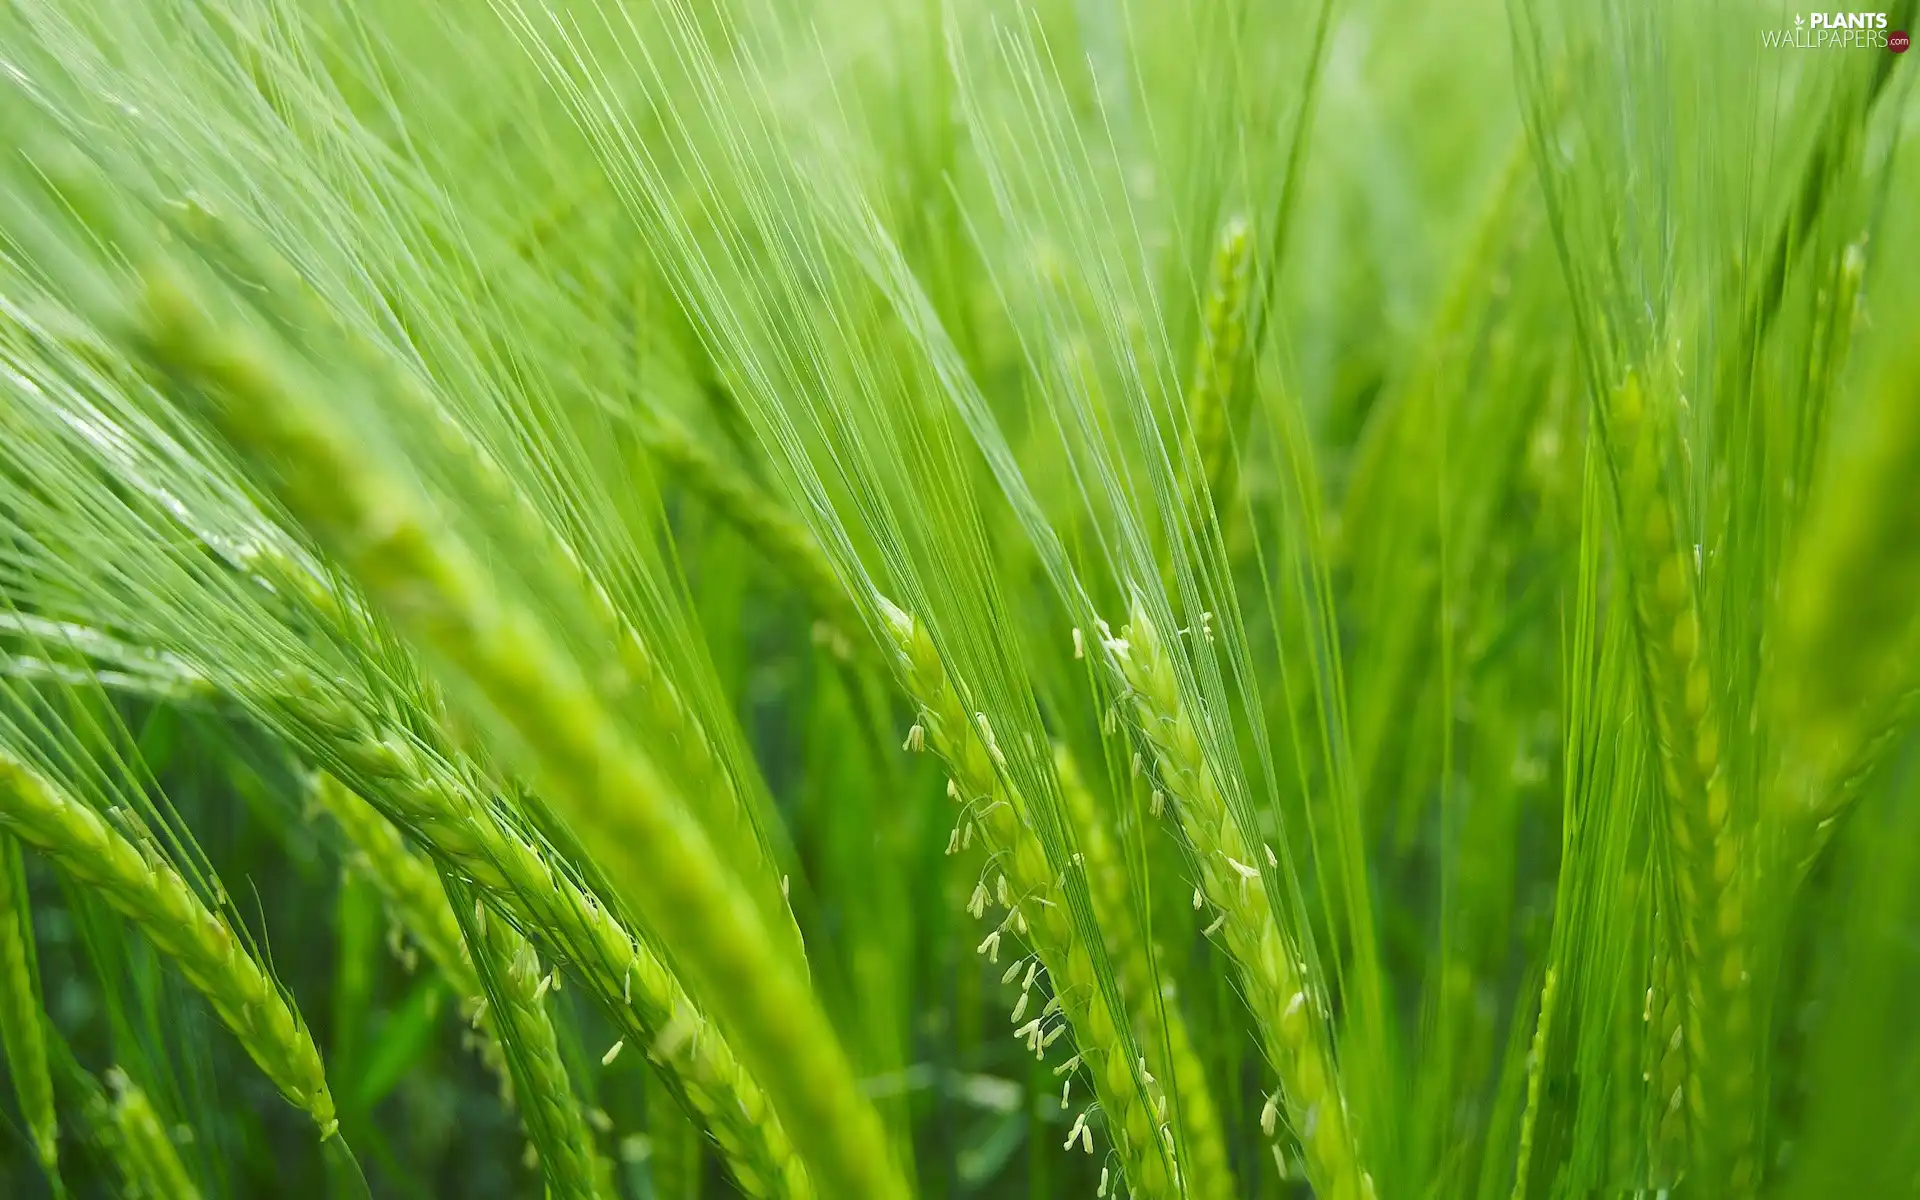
x=1536, y=1077
x=150, y=893
x=1149, y=992
x=416, y=900
x=149, y=1162
x=432, y=791
x=21, y=1030
x=1213, y=395
x=1036, y=911
x=408, y=883
x=1288, y=1008
x=1707, y=847
x=613, y=796
x=514, y=986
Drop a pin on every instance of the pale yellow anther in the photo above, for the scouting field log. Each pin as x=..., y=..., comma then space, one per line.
x=1073, y=1135
x=990, y=947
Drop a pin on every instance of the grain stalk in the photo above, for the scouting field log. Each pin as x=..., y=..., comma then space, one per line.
x=21, y=1014
x=1149, y=993
x=1288, y=1008
x=428, y=580
x=147, y=890
x=1026, y=887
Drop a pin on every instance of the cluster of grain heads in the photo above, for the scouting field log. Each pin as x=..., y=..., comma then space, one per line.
x=1025, y=884
x=516, y=675
x=1288, y=1006
x=1147, y=989
x=143, y=1148
x=1706, y=847
x=22, y=1034
x=146, y=889
x=520, y=880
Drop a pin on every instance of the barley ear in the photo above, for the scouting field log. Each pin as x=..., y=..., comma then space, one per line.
x=1287, y=1004
x=1213, y=404
x=21, y=1015
x=417, y=903
x=1536, y=1081
x=149, y=892
x=414, y=895
x=1707, y=851
x=516, y=987
x=1149, y=993
x=680, y=742
x=683, y=745
x=1036, y=907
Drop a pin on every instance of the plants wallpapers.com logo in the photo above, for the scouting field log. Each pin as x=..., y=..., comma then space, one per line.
x=1838, y=31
